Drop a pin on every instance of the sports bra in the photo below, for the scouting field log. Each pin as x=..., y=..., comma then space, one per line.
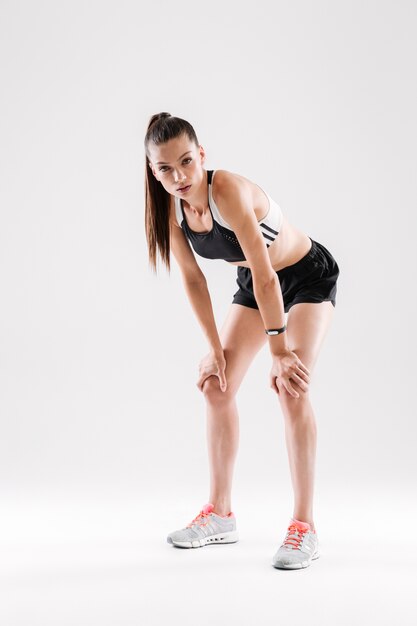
x=221, y=242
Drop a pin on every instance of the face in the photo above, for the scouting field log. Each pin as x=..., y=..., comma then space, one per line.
x=177, y=163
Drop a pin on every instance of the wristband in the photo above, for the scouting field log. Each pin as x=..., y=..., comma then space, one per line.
x=275, y=331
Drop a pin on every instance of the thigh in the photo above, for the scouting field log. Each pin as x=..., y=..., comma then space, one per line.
x=307, y=326
x=242, y=336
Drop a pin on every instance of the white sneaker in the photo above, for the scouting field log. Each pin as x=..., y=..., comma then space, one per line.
x=299, y=548
x=206, y=527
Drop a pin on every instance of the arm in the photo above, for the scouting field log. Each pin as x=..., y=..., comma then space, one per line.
x=234, y=202
x=199, y=297
x=195, y=284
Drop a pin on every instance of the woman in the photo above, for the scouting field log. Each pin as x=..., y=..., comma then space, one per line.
x=280, y=270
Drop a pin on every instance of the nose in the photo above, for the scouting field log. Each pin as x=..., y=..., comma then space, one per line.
x=178, y=177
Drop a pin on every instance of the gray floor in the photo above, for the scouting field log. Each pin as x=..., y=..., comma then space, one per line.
x=73, y=561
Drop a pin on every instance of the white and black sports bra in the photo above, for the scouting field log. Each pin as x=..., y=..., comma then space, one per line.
x=221, y=242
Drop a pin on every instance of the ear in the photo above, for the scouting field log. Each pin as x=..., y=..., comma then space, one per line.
x=202, y=154
x=152, y=169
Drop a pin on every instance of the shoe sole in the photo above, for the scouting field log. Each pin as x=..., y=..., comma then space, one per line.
x=231, y=537
x=301, y=565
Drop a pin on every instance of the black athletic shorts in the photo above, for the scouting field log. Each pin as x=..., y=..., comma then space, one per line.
x=312, y=279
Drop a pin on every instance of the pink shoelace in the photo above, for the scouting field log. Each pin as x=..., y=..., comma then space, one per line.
x=200, y=519
x=293, y=539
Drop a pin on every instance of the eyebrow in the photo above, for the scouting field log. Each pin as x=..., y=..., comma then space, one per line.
x=162, y=163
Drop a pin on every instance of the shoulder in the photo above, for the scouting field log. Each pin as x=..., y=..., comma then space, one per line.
x=226, y=182
x=233, y=194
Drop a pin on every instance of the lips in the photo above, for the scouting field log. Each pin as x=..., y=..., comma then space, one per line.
x=184, y=188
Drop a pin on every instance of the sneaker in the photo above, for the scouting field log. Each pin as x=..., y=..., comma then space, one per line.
x=206, y=527
x=299, y=548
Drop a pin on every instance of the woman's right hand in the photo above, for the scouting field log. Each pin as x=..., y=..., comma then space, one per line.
x=213, y=364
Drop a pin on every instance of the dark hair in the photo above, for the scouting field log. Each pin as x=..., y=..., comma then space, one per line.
x=161, y=128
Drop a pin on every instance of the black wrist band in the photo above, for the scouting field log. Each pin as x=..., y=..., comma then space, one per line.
x=275, y=331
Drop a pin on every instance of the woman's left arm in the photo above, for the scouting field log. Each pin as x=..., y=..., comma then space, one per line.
x=266, y=286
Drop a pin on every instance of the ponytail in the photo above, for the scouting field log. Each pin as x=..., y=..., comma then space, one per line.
x=161, y=128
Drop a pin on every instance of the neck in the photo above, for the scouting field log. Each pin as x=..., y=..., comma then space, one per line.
x=200, y=205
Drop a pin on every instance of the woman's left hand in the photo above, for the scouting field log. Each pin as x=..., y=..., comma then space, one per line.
x=289, y=374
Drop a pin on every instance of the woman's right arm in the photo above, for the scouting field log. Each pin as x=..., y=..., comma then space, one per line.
x=195, y=285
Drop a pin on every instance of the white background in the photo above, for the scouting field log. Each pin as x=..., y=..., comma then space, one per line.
x=102, y=448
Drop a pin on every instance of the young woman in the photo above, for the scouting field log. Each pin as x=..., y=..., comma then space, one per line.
x=280, y=271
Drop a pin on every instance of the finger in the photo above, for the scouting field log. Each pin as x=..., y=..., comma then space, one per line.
x=205, y=378
x=303, y=375
x=273, y=385
x=223, y=381
x=303, y=367
x=222, y=378
x=299, y=381
x=290, y=390
x=277, y=385
x=200, y=382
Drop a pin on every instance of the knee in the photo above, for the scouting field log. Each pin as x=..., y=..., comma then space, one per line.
x=295, y=408
x=214, y=395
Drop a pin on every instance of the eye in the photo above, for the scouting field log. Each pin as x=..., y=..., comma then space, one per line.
x=165, y=167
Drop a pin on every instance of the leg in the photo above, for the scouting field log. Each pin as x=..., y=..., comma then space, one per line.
x=242, y=335
x=306, y=326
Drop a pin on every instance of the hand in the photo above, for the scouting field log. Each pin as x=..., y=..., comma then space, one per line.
x=287, y=367
x=213, y=364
